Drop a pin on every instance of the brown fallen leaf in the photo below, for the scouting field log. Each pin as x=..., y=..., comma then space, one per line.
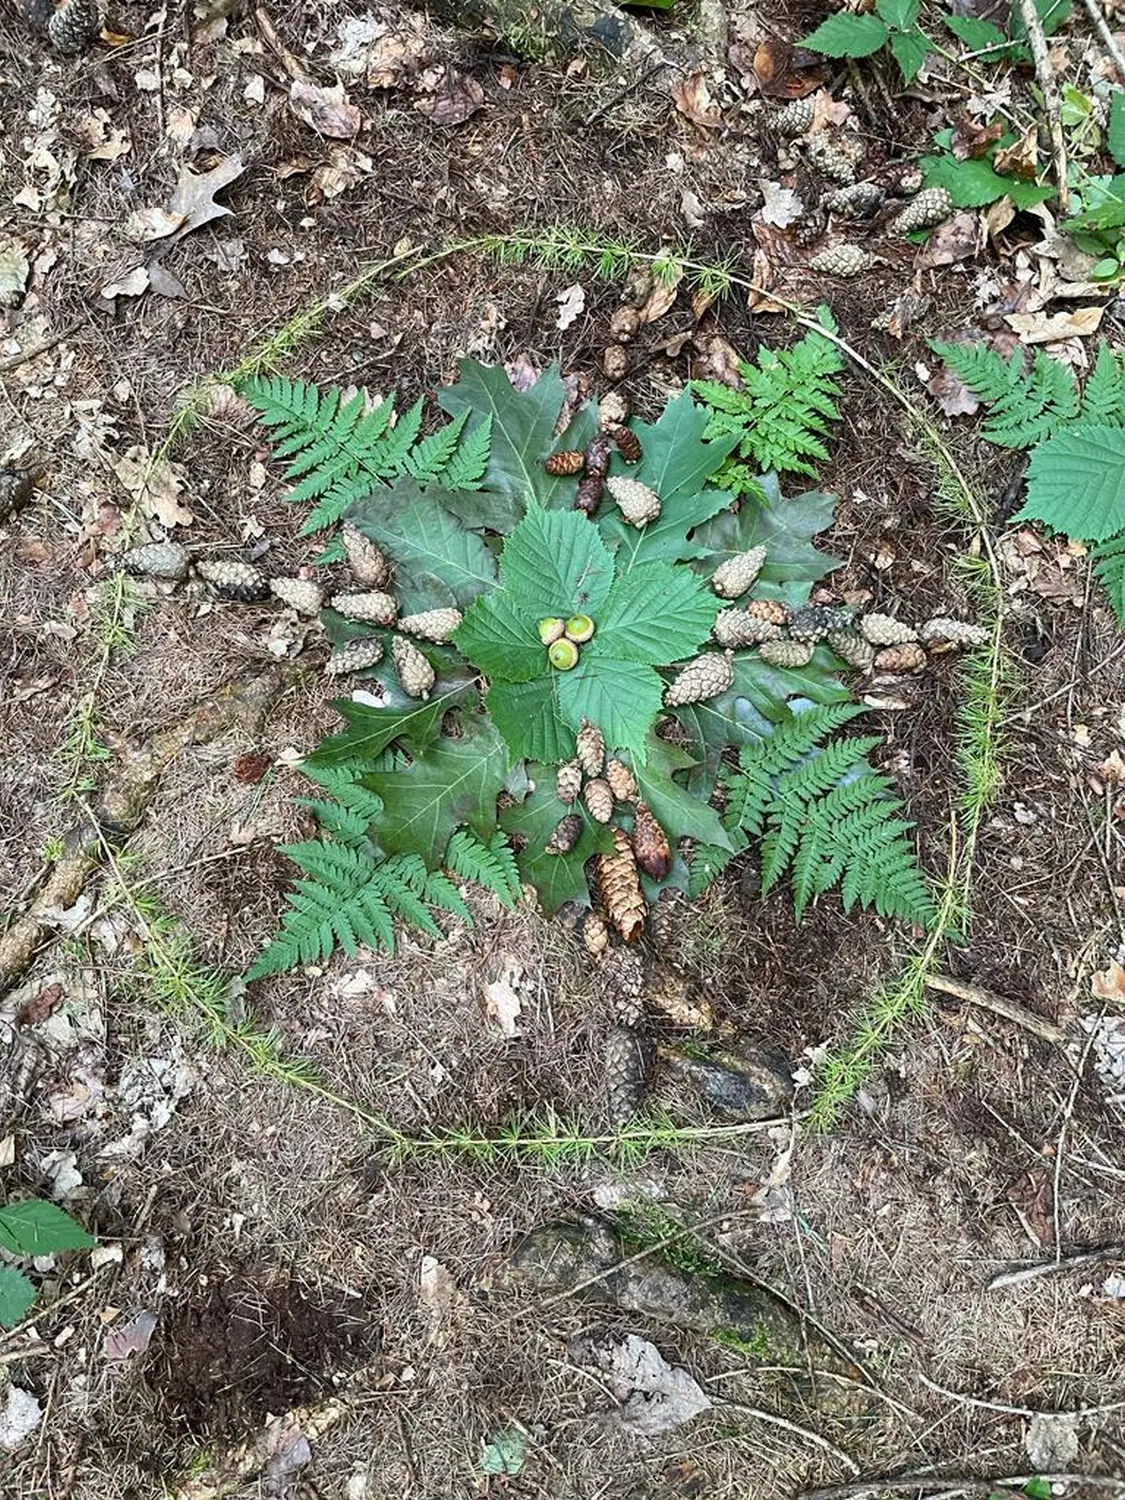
x=957, y=239
x=1022, y=159
x=952, y=394
x=155, y=485
x=131, y=284
x=787, y=72
x=1051, y=328
x=327, y=111
x=972, y=139
x=693, y=100
x=456, y=99
x=1109, y=984
x=129, y=1338
x=661, y=297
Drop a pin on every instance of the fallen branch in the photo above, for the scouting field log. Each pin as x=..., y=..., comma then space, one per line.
x=1108, y=40
x=958, y=1484
x=1051, y=1267
x=1011, y=1010
x=1052, y=102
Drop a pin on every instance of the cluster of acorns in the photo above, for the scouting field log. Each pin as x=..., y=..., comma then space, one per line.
x=562, y=639
x=603, y=785
x=242, y=582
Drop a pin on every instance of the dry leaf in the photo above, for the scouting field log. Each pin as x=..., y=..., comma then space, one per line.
x=1022, y=159
x=661, y=297
x=155, y=486
x=456, y=99
x=163, y=283
x=327, y=111
x=194, y=196
x=972, y=140
x=145, y=224
x=132, y=1337
x=1049, y=328
x=693, y=100
x=957, y=239
x=572, y=304
x=952, y=394
x=692, y=209
x=503, y=1006
x=344, y=168
x=132, y=284
x=1109, y=984
x=437, y=1294
x=106, y=141
x=15, y=268
x=787, y=72
x=998, y=215
x=780, y=205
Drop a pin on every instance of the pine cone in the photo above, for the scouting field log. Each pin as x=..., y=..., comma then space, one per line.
x=901, y=180
x=737, y=627
x=376, y=608
x=857, y=201
x=16, y=488
x=885, y=630
x=771, y=610
x=816, y=621
x=628, y=443
x=637, y=503
x=732, y=578
x=588, y=495
x=625, y=977
x=810, y=226
x=597, y=454
x=595, y=934
x=851, y=647
x=613, y=408
x=931, y=206
x=566, y=834
x=835, y=154
x=620, y=888
x=795, y=118
x=787, y=653
x=73, y=25
x=622, y=782
x=628, y=1058
x=954, y=632
x=909, y=657
x=300, y=594
x=354, y=656
x=158, y=560
x=414, y=671
x=650, y=844
x=569, y=461
x=367, y=563
x=842, y=260
x=231, y=579
x=705, y=677
x=599, y=800
x=590, y=750
x=568, y=781
x=435, y=625
x=666, y=918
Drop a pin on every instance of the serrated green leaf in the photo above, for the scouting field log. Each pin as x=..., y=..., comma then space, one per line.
x=846, y=35
x=657, y=613
x=1076, y=483
x=973, y=183
x=32, y=1226
x=405, y=721
x=556, y=877
x=902, y=15
x=621, y=697
x=527, y=715
x=413, y=528
x=978, y=34
x=1109, y=566
x=1115, y=133
x=785, y=528
x=17, y=1296
x=910, y=50
x=453, y=781
x=501, y=639
x=555, y=563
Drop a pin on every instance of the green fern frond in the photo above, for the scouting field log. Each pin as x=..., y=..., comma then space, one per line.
x=784, y=411
x=826, y=817
x=492, y=865
x=1103, y=400
x=347, y=899
x=1109, y=565
x=1025, y=406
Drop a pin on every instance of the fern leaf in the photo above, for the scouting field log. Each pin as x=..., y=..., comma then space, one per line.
x=1025, y=406
x=1109, y=566
x=492, y=865
x=466, y=468
x=1103, y=400
x=426, y=461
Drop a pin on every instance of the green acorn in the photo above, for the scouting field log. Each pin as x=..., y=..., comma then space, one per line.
x=551, y=629
x=563, y=655
x=579, y=628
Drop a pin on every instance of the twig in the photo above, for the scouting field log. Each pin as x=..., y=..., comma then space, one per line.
x=1011, y=1010
x=963, y=1484
x=1052, y=103
x=1108, y=40
x=802, y=1432
x=1050, y=1267
x=25, y=355
x=1012, y=1411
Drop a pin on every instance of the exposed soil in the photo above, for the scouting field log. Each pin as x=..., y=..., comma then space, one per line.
x=288, y=1258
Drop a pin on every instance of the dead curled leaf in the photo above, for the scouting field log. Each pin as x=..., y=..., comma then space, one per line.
x=132, y=1337
x=456, y=98
x=780, y=205
x=952, y=394
x=693, y=100
x=1022, y=159
x=1109, y=984
x=957, y=239
x=783, y=71
x=155, y=485
x=327, y=111
x=1050, y=328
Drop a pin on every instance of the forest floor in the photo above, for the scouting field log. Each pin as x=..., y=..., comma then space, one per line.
x=273, y=1307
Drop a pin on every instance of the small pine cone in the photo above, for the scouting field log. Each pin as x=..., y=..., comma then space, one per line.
x=795, y=118
x=354, y=656
x=625, y=977
x=650, y=844
x=622, y=782
x=591, y=749
x=376, y=608
x=810, y=227
x=787, y=653
x=738, y=627
x=637, y=503
x=666, y=918
x=620, y=887
x=628, y=1059
x=234, y=580
x=857, y=201
x=771, y=610
x=414, y=671
x=300, y=594
x=885, y=630
x=567, y=832
x=158, y=560
x=588, y=495
x=704, y=677
x=628, y=444
x=613, y=408
x=568, y=781
x=598, y=797
x=595, y=934
x=732, y=578
x=844, y=261
x=16, y=489
x=931, y=206
x=816, y=621
x=851, y=647
x=369, y=566
x=953, y=632
x=435, y=625
x=835, y=154
x=909, y=657
x=73, y=25
x=902, y=180
x=597, y=454
x=569, y=461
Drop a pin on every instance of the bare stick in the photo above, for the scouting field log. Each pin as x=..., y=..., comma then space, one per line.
x=1011, y=1010
x=802, y=1432
x=1108, y=40
x=1052, y=103
x=1012, y=1411
x=1050, y=1267
x=958, y=1484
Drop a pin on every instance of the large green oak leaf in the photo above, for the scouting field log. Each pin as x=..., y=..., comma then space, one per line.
x=785, y=528
x=530, y=823
x=412, y=526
